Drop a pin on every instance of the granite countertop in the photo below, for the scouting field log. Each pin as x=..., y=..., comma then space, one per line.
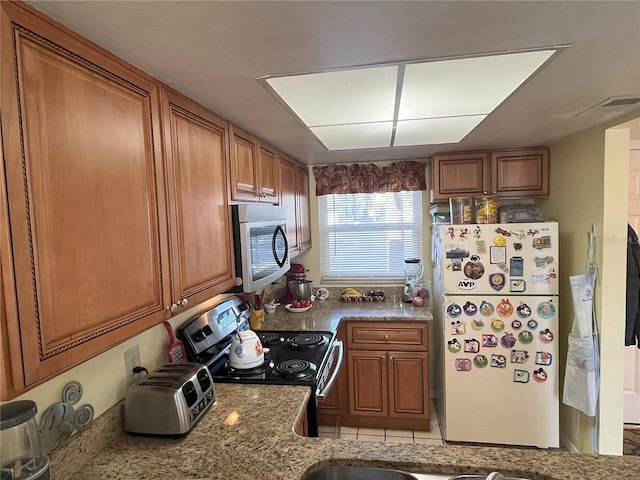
x=248, y=434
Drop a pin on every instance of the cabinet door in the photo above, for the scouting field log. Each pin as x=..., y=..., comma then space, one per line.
x=288, y=194
x=85, y=195
x=520, y=173
x=304, y=222
x=244, y=166
x=368, y=383
x=459, y=175
x=385, y=335
x=200, y=217
x=408, y=385
x=268, y=175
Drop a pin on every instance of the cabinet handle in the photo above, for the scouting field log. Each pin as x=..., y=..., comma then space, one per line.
x=184, y=302
x=173, y=307
x=494, y=192
x=386, y=338
x=391, y=358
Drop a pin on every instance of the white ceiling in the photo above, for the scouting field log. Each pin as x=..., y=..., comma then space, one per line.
x=214, y=52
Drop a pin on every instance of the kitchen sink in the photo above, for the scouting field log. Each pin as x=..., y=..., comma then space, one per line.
x=342, y=472
x=335, y=472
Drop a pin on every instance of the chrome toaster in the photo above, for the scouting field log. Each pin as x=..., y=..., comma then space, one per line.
x=170, y=400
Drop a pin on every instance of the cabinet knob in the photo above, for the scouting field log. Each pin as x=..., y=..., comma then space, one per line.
x=173, y=307
x=184, y=302
x=391, y=357
x=386, y=338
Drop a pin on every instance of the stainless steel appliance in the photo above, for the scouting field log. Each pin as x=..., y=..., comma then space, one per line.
x=310, y=358
x=261, y=245
x=169, y=401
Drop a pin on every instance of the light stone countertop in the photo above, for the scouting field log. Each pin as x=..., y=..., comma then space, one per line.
x=262, y=444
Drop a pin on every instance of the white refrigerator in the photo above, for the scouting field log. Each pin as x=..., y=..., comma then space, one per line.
x=496, y=333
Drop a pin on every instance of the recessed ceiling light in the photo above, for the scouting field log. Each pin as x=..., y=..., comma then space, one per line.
x=427, y=102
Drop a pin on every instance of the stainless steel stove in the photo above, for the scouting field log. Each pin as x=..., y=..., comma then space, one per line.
x=309, y=358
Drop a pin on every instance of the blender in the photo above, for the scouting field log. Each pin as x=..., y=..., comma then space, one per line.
x=413, y=271
x=21, y=457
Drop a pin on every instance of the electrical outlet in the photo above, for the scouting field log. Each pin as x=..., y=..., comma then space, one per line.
x=132, y=360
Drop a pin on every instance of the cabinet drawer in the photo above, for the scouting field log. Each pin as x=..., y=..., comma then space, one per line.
x=387, y=335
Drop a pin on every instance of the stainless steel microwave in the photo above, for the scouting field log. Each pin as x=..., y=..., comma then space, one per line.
x=261, y=245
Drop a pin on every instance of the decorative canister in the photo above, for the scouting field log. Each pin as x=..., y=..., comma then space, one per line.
x=486, y=210
x=461, y=210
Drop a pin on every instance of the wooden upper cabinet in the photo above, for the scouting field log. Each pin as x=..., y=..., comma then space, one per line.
x=512, y=173
x=288, y=171
x=304, y=217
x=459, y=175
x=268, y=174
x=196, y=146
x=84, y=194
x=254, y=169
x=520, y=172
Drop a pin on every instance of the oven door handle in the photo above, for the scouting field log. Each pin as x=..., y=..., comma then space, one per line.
x=334, y=376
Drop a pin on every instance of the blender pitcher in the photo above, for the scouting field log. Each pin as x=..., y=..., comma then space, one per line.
x=413, y=271
x=21, y=457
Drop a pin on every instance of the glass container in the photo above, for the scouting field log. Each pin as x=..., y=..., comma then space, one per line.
x=21, y=457
x=461, y=210
x=486, y=210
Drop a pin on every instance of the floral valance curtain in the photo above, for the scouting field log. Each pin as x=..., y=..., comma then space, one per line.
x=370, y=178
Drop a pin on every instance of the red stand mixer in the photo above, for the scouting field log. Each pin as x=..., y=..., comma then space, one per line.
x=297, y=272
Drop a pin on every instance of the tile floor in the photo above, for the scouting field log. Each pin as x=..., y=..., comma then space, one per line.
x=432, y=437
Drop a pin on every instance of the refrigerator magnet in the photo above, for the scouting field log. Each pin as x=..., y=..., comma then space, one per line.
x=471, y=345
x=497, y=325
x=474, y=270
x=518, y=233
x=546, y=336
x=544, y=358
x=542, y=242
x=523, y=310
x=519, y=356
x=516, y=266
x=520, y=376
x=508, y=340
x=546, y=309
x=463, y=364
x=500, y=240
x=480, y=361
x=489, y=340
x=497, y=281
x=486, y=308
x=477, y=324
x=504, y=308
x=458, y=327
x=516, y=324
x=517, y=285
x=525, y=337
x=498, y=255
x=517, y=246
x=481, y=246
x=498, y=361
x=540, y=375
x=454, y=310
x=454, y=346
x=470, y=308
x=532, y=324
x=541, y=277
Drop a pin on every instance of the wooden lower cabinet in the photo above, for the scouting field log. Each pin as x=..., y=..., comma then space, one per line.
x=385, y=382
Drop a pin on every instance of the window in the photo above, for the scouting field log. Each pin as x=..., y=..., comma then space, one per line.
x=367, y=236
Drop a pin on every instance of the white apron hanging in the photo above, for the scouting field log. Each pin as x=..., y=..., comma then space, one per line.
x=581, y=380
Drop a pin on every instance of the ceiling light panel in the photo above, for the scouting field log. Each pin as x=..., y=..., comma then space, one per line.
x=466, y=86
x=339, y=97
x=432, y=131
x=358, y=135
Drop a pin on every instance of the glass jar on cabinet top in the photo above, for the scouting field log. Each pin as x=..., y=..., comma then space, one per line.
x=486, y=210
x=461, y=210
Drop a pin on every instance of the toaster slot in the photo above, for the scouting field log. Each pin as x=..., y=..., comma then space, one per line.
x=190, y=393
x=204, y=379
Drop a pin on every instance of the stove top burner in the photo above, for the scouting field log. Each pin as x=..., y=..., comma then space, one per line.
x=307, y=341
x=296, y=368
x=269, y=339
x=249, y=372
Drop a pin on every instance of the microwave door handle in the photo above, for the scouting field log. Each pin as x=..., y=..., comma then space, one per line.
x=334, y=376
x=280, y=231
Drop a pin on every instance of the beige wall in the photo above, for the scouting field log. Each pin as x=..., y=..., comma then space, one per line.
x=588, y=187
